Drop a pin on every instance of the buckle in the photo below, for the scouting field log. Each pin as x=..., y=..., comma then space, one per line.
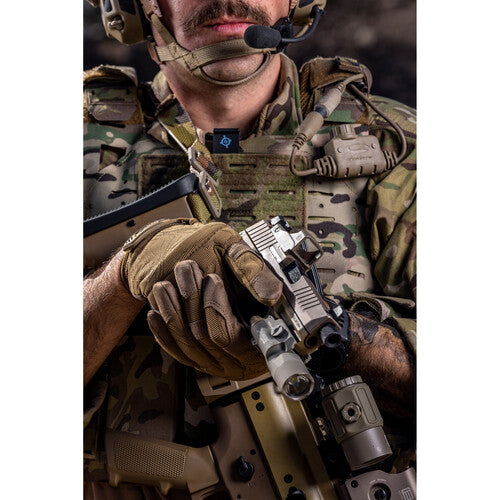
x=207, y=184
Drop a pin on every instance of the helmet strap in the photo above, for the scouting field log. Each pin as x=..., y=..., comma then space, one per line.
x=195, y=60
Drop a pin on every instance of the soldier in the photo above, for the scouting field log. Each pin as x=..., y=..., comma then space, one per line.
x=136, y=138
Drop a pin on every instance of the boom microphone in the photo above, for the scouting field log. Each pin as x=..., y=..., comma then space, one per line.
x=262, y=37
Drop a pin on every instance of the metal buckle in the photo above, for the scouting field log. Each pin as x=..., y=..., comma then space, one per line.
x=207, y=184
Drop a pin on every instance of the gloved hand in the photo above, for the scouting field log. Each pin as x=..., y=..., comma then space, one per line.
x=181, y=266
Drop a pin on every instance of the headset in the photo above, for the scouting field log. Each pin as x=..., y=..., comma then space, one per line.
x=128, y=21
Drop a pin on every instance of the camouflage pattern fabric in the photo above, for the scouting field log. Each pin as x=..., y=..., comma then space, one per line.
x=391, y=209
x=366, y=225
x=113, y=144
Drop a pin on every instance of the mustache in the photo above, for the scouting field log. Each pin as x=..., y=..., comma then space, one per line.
x=211, y=11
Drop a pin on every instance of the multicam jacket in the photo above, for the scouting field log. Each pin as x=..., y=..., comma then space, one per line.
x=366, y=224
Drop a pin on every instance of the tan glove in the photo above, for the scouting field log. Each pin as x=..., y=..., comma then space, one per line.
x=181, y=266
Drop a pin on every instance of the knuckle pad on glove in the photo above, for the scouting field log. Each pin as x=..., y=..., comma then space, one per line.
x=167, y=302
x=156, y=324
x=222, y=324
x=189, y=282
x=253, y=273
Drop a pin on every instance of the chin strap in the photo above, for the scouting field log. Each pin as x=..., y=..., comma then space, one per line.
x=194, y=60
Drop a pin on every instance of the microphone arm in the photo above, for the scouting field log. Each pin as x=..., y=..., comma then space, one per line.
x=317, y=13
x=264, y=37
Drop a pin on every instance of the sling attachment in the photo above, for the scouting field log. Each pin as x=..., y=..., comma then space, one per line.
x=207, y=184
x=200, y=163
x=145, y=460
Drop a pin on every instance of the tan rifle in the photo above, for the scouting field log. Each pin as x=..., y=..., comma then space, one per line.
x=272, y=442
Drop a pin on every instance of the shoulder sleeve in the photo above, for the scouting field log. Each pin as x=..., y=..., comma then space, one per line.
x=391, y=210
x=110, y=95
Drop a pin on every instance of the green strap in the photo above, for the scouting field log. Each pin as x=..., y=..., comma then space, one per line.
x=200, y=161
x=185, y=136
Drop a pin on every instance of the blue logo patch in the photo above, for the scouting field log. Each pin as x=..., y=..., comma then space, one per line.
x=225, y=141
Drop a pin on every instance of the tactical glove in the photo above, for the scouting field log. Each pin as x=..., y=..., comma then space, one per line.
x=182, y=266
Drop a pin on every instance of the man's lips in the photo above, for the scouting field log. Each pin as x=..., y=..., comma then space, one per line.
x=229, y=26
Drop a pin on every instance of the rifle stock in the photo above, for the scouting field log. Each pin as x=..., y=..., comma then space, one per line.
x=104, y=233
x=268, y=445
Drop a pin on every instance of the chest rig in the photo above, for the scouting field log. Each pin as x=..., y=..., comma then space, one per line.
x=124, y=162
x=128, y=155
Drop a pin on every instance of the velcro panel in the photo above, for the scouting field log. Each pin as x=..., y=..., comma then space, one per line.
x=257, y=186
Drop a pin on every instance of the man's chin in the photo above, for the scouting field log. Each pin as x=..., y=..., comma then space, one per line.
x=234, y=69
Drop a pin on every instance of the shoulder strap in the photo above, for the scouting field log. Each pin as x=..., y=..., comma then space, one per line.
x=200, y=161
x=110, y=95
x=320, y=72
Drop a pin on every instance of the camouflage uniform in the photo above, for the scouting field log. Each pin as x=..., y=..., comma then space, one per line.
x=366, y=224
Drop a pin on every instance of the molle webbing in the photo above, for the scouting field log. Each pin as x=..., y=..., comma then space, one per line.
x=336, y=217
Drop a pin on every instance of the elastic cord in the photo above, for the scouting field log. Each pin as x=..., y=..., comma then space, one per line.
x=264, y=64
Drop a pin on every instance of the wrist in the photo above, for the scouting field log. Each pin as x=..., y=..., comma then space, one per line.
x=108, y=310
x=378, y=353
x=116, y=274
x=110, y=276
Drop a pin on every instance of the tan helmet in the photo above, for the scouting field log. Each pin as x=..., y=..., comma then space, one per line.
x=129, y=22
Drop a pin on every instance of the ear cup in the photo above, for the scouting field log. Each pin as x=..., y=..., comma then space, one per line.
x=124, y=20
x=301, y=15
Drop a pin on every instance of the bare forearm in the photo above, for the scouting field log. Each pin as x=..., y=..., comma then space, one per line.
x=108, y=310
x=379, y=355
